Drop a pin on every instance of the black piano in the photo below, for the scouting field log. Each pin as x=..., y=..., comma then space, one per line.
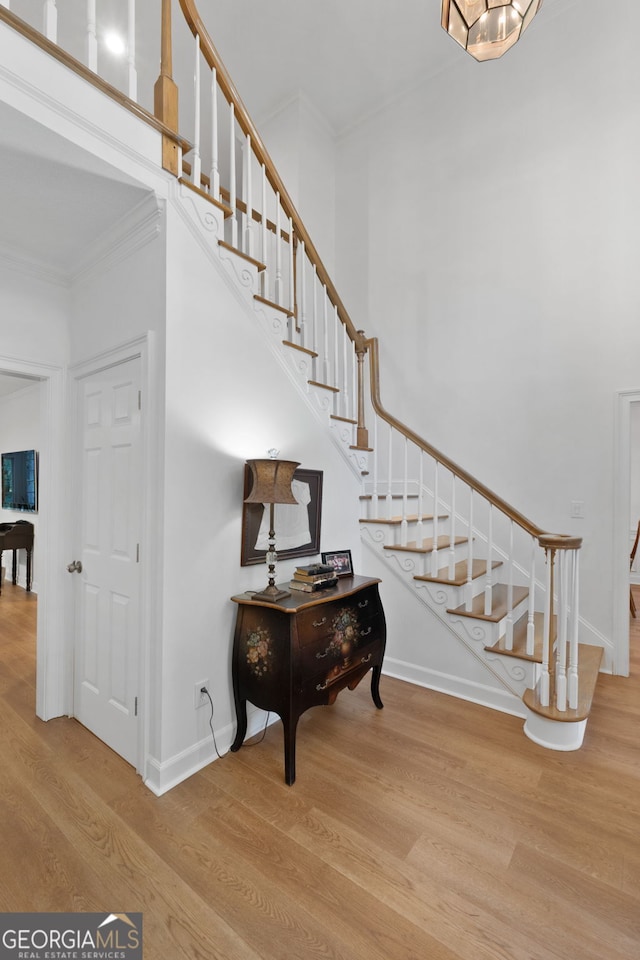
x=17, y=536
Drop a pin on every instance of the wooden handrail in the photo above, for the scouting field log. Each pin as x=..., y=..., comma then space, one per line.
x=547, y=540
x=53, y=50
x=245, y=122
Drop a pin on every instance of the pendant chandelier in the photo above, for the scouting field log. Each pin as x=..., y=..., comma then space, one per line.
x=487, y=28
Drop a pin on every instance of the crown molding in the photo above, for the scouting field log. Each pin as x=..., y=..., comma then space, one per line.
x=140, y=226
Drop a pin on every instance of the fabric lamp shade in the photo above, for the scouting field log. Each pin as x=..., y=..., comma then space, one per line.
x=271, y=481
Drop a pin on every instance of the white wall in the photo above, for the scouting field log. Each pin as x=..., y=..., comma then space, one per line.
x=227, y=400
x=498, y=267
x=303, y=148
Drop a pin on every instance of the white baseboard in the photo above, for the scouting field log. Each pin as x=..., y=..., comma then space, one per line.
x=492, y=697
x=163, y=776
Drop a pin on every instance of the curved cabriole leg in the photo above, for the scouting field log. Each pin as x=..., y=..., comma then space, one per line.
x=375, y=687
x=289, y=724
x=241, y=731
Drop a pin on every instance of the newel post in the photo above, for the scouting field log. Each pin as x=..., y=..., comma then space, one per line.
x=362, y=435
x=165, y=94
x=559, y=673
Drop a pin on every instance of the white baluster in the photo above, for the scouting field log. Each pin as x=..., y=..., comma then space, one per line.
x=452, y=532
x=92, y=40
x=404, y=524
x=547, y=642
x=346, y=395
x=326, y=376
x=314, y=321
x=436, y=522
x=131, y=50
x=264, y=232
x=292, y=286
x=389, y=500
x=531, y=623
x=302, y=257
x=561, y=646
x=469, y=587
x=420, y=524
x=572, y=683
x=508, y=639
x=336, y=356
x=248, y=197
x=232, y=176
x=214, y=173
x=488, y=586
x=278, y=277
x=196, y=166
x=374, y=492
x=49, y=20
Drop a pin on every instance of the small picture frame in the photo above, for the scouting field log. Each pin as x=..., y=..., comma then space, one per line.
x=341, y=562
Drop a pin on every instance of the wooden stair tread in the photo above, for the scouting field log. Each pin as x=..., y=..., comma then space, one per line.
x=461, y=570
x=520, y=639
x=324, y=386
x=589, y=660
x=395, y=521
x=334, y=416
x=296, y=346
x=271, y=303
x=244, y=256
x=207, y=196
x=499, y=608
x=425, y=546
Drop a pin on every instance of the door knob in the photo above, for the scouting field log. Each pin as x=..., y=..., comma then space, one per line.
x=75, y=566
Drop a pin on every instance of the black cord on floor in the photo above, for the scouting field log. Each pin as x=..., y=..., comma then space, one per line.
x=253, y=743
x=213, y=734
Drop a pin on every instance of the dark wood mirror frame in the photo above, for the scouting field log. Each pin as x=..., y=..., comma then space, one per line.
x=252, y=518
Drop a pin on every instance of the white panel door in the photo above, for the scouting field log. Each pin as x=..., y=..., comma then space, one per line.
x=107, y=603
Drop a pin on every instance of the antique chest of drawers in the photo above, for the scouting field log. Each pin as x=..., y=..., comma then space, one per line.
x=302, y=650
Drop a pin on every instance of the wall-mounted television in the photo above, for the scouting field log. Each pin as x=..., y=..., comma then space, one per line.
x=20, y=481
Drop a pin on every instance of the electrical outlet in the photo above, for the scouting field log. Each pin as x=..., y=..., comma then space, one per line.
x=200, y=699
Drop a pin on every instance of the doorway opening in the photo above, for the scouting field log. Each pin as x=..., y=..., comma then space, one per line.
x=626, y=517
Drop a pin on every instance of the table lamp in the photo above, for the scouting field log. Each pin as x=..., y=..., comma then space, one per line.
x=271, y=484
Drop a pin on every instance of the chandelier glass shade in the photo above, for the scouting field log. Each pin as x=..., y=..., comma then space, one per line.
x=487, y=28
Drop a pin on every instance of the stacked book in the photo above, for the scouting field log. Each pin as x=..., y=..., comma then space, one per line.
x=315, y=576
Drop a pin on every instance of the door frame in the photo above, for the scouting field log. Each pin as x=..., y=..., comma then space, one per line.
x=142, y=348
x=621, y=525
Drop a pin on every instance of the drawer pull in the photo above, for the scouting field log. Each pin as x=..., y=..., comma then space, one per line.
x=363, y=603
x=321, y=686
x=321, y=656
x=367, y=658
x=319, y=623
x=365, y=633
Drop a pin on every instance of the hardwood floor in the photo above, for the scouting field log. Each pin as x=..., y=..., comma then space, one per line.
x=430, y=830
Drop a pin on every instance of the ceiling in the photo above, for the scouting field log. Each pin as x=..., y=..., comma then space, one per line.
x=349, y=57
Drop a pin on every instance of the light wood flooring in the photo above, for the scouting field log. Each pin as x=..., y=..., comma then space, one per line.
x=430, y=830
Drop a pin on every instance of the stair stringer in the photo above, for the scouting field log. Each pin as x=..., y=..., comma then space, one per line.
x=501, y=692
x=514, y=674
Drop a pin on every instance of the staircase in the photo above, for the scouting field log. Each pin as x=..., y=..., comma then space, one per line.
x=507, y=589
